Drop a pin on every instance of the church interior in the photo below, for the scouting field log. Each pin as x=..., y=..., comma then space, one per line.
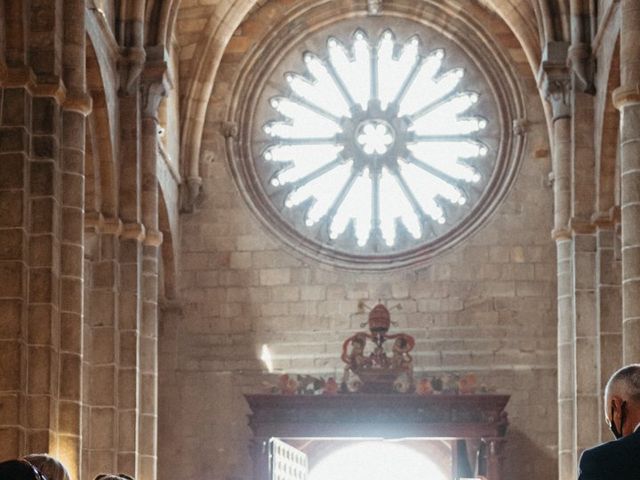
x=204, y=204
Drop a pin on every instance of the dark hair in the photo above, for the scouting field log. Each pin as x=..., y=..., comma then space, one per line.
x=20, y=470
x=626, y=381
x=50, y=466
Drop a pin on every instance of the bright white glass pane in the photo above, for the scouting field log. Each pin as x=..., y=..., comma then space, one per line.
x=395, y=205
x=446, y=123
x=348, y=70
x=356, y=206
x=299, y=129
x=448, y=151
x=323, y=92
x=355, y=73
x=421, y=96
x=376, y=460
x=304, y=123
x=444, y=157
x=418, y=92
x=299, y=112
x=452, y=107
x=393, y=73
x=296, y=153
x=419, y=179
x=323, y=189
x=424, y=188
x=308, y=159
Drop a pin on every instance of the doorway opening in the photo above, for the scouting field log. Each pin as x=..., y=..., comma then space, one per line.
x=381, y=460
x=368, y=459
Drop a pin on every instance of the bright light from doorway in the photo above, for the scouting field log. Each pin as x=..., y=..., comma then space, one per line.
x=376, y=460
x=266, y=358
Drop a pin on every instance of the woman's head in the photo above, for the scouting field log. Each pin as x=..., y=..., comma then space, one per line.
x=52, y=468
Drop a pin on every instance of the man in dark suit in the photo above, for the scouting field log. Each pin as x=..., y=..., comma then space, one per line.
x=620, y=458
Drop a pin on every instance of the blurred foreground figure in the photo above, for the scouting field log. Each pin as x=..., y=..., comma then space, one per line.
x=620, y=458
x=20, y=470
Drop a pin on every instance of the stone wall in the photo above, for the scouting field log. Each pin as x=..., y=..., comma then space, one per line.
x=487, y=306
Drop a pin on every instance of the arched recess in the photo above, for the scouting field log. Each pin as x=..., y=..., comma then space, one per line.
x=217, y=32
x=103, y=124
x=606, y=135
x=521, y=19
x=519, y=16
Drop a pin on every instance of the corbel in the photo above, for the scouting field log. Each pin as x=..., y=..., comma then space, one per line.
x=554, y=80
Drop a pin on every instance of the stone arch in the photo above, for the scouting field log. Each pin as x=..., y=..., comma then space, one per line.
x=606, y=136
x=103, y=124
x=220, y=28
x=517, y=14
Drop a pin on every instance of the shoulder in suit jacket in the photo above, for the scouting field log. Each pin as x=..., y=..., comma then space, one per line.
x=616, y=460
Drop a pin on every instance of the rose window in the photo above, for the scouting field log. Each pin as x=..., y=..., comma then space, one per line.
x=376, y=136
x=371, y=147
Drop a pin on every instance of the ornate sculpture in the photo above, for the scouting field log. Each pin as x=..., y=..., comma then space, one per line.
x=377, y=372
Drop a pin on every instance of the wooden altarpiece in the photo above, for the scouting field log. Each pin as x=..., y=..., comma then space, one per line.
x=479, y=417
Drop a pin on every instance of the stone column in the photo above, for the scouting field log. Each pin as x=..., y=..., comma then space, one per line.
x=555, y=84
x=627, y=100
x=14, y=244
x=76, y=107
x=583, y=231
x=101, y=356
x=609, y=308
x=129, y=305
x=153, y=90
x=587, y=354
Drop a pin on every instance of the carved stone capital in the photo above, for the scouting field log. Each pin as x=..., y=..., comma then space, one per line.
x=156, y=80
x=111, y=226
x=81, y=103
x=554, y=80
x=580, y=59
x=152, y=95
x=626, y=95
x=133, y=231
x=153, y=238
x=558, y=94
x=581, y=226
x=190, y=193
x=559, y=234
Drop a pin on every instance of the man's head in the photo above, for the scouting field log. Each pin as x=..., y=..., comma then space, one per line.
x=622, y=400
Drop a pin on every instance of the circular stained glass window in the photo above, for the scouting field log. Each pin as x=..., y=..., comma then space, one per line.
x=375, y=146
x=376, y=137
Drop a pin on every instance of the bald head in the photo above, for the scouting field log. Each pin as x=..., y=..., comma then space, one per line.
x=625, y=383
